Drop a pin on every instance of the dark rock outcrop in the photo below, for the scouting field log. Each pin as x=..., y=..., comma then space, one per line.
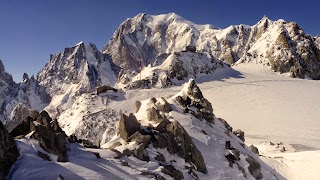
x=226, y=124
x=239, y=134
x=8, y=151
x=254, y=167
x=128, y=125
x=154, y=115
x=172, y=171
x=164, y=107
x=167, y=135
x=138, y=105
x=195, y=99
x=143, y=141
x=47, y=131
x=105, y=88
x=177, y=141
x=44, y=156
x=254, y=149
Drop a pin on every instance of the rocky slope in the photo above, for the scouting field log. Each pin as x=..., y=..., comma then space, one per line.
x=282, y=45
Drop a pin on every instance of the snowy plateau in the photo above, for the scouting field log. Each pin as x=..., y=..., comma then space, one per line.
x=169, y=99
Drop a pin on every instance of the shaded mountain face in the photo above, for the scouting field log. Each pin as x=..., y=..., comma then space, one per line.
x=81, y=67
x=27, y=92
x=282, y=45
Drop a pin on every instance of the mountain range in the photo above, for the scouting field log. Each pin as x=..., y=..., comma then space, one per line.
x=158, y=51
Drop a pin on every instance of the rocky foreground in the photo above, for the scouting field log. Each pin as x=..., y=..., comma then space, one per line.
x=177, y=137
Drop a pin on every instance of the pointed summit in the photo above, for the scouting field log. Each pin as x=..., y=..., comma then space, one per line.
x=265, y=21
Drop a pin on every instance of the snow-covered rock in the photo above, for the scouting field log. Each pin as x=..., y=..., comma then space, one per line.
x=141, y=40
x=28, y=92
x=172, y=69
x=81, y=65
x=74, y=71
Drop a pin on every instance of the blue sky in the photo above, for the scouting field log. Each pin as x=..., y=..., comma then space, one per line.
x=31, y=30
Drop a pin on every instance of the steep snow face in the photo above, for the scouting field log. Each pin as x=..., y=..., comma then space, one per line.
x=170, y=69
x=81, y=65
x=280, y=44
x=27, y=92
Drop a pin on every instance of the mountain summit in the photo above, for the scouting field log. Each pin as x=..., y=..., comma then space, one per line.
x=279, y=44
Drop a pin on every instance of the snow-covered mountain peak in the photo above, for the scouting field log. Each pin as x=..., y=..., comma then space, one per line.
x=74, y=71
x=81, y=65
x=139, y=41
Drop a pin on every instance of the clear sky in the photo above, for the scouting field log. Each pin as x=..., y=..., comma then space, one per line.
x=31, y=30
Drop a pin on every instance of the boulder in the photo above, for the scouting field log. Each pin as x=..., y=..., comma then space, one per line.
x=128, y=126
x=160, y=157
x=105, y=88
x=254, y=168
x=8, y=152
x=183, y=101
x=154, y=115
x=254, y=149
x=164, y=107
x=138, y=105
x=162, y=125
x=239, y=134
x=143, y=141
x=172, y=171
